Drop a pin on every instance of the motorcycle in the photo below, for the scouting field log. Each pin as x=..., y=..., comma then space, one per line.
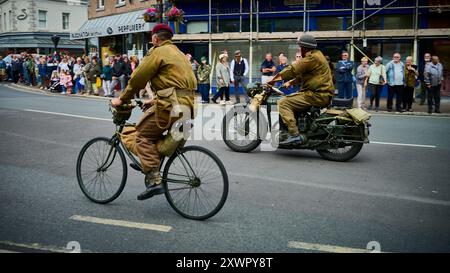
x=337, y=132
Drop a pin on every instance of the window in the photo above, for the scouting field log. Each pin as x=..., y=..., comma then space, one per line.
x=398, y=21
x=101, y=4
x=42, y=19
x=65, y=20
x=330, y=23
x=120, y=3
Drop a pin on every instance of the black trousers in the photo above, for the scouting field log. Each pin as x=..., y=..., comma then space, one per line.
x=375, y=94
x=223, y=90
x=434, y=97
x=408, y=97
x=397, y=91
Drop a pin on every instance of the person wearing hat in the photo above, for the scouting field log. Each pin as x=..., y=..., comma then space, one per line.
x=223, y=79
x=317, y=86
x=203, y=72
x=166, y=68
x=239, y=71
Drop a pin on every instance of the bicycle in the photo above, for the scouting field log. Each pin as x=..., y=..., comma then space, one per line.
x=194, y=178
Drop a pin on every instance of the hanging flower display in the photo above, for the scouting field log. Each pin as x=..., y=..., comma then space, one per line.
x=151, y=15
x=175, y=15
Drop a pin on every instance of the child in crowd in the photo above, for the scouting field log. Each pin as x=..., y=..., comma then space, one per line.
x=66, y=82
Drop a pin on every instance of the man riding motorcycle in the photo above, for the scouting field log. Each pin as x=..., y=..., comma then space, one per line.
x=317, y=89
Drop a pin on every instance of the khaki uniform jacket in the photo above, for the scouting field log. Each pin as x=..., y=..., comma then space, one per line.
x=163, y=66
x=312, y=71
x=203, y=73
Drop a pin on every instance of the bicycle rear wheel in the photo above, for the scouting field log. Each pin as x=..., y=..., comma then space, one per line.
x=101, y=170
x=196, y=183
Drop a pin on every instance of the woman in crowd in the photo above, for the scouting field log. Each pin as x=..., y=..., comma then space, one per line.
x=107, y=78
x=361, y=73
x=411, y=75
x=223, y=79
x=375, y=80
x=77, y=75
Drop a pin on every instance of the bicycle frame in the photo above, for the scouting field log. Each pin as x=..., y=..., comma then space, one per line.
x=116, y=140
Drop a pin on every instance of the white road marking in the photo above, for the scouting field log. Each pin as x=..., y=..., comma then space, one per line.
x=67, y=115
x=44, y=93
x=403, y=144
x=417, y=115
x=121, y=223
x=37, y=247
x=326, y=248
x=7, y=251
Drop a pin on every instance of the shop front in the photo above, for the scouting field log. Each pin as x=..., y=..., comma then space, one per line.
x=125, y=33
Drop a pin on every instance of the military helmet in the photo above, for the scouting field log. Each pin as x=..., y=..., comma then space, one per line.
x=307, y=41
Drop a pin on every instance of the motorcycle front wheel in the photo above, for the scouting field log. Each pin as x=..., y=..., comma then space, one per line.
x=241, y=131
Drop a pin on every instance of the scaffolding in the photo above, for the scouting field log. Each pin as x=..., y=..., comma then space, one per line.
x=355, y=32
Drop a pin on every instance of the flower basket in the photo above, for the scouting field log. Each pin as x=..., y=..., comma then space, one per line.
x=175, y=15
x=151, y=15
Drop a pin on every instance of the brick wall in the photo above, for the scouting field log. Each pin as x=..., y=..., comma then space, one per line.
x=111, y=7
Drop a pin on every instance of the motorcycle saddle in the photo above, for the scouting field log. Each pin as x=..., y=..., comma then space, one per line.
x=346, y=103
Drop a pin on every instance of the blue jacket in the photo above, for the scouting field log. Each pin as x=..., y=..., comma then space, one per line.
x=344, y=71
x=2, y=64
x=390, y=73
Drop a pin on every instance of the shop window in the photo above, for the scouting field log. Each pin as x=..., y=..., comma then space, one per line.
x=438, y=19
x=398, y=21
x=373, y=23
x=288, y=24
x=329, y=23
x=197, y=27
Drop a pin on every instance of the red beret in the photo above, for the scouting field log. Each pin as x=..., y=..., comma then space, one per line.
x=161, y=27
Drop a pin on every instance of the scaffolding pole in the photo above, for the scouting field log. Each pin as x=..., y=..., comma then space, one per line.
x=416, y=27
x=352, y=50
x=365, y=18
x=250, y=50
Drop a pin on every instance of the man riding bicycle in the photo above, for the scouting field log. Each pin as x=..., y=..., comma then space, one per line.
x=165, y=67
x=314, y=74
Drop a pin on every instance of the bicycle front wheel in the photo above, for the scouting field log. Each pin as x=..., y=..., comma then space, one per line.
x=101, y=170
x=196, y=183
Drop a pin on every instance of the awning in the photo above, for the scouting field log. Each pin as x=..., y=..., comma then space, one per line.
x=37, y=40
x=124, y=23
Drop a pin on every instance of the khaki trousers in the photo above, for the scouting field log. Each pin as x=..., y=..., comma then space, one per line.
x=148, y=133
x=300, y=102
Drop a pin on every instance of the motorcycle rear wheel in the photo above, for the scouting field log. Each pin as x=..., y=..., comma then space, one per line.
x=341, y=154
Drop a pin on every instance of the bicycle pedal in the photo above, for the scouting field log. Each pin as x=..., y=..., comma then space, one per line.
x=135, y=167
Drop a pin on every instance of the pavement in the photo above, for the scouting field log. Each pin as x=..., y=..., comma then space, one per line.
x=394, y=195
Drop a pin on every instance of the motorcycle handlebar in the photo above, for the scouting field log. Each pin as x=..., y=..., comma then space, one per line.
x=278, y=91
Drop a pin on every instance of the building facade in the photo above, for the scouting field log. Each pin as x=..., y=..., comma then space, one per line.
x=364, y=28
x=28, y=25
x=116, y=27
